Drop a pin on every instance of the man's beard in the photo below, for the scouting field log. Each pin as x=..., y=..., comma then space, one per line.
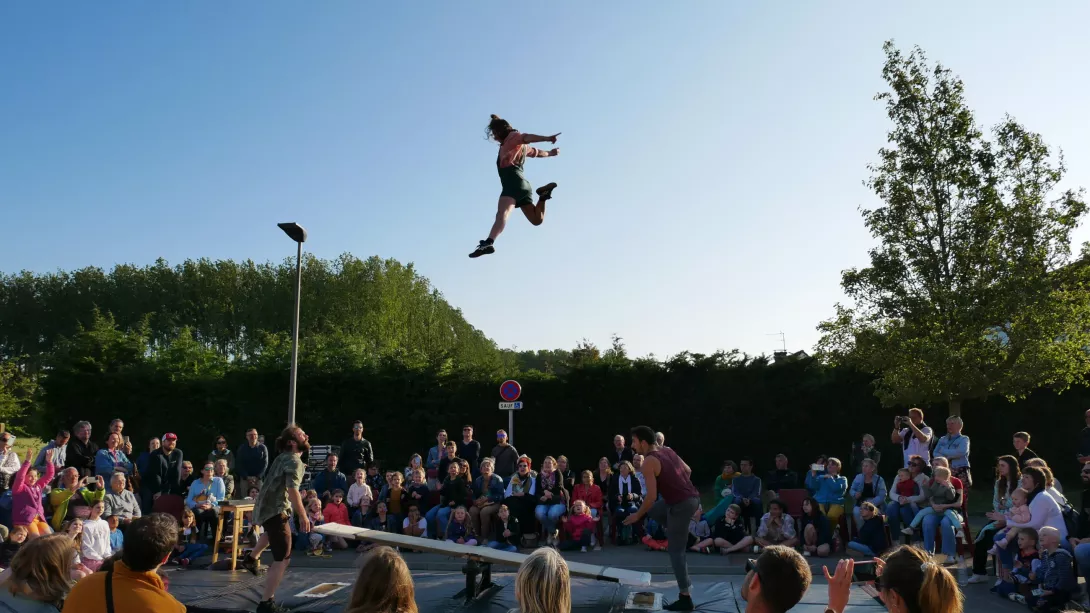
x=302, y=447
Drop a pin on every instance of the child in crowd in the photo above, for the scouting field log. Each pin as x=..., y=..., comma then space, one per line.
x=777, y=527
x=252, y=531
x=188, y=549
x=15, y=540
x=1058, y=579
x=506, y=535
x=394, y=496
x=905, y=486
x=415, y=462
x=698, y=528
x=414, y=523
x=939, y=491
x=379, y=521
x=74, y=530
x=418, y=493
x=310, y=495
x=589, y=493
x=360, y=497
x=728, y=534
x=1019, y=582
x=374, y=479
x=871, y=540
x=1018, y=512
x=95, y=544
x=817, y=536
x=460, y=529
x=336, y=512
x=117, y=537
x=578, y=527
x=314, y=539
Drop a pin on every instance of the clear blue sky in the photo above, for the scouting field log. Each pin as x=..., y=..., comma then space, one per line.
x=712, y=152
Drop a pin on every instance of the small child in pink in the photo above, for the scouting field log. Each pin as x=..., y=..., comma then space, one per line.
x=1018, y=512
x=578, y=527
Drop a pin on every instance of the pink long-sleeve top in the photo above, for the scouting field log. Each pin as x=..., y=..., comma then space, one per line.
x=26, y=499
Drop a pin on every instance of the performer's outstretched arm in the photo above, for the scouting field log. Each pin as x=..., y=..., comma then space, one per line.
x=534, y=138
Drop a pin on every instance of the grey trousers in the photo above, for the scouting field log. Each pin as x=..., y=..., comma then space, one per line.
x=675, y=518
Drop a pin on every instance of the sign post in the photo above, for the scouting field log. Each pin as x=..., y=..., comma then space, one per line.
x=510, y=391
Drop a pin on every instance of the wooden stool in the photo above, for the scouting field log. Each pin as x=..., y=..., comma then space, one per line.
x=236, y=508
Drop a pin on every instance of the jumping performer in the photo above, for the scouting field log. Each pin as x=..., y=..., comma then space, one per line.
x=668, y=475
x=516, y=192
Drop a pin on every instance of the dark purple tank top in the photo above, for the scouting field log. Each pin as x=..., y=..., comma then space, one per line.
x=672, y=483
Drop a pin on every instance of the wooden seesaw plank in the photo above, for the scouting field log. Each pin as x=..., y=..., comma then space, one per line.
x=481, y=554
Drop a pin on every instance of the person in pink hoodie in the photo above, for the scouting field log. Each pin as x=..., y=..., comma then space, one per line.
x=26, y=497
x=578, y=527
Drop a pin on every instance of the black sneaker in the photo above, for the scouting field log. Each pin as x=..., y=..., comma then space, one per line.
x=269, y=606
x=683, y=603
x=250, y=564
x=546, y=191
x=484, y=248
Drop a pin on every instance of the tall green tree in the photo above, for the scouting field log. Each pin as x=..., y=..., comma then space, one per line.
x=971, y=291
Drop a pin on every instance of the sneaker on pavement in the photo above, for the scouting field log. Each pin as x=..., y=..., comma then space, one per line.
x=583, y=549
x=907, y=531
x=483, y=248
x=977, y=579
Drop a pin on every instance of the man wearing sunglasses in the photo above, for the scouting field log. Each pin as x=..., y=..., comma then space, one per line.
x=776, y=581
x=356, y=452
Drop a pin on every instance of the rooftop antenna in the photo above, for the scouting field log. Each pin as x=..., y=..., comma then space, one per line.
x=783, y=340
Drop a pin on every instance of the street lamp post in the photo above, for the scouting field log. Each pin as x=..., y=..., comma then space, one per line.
x=298, y=234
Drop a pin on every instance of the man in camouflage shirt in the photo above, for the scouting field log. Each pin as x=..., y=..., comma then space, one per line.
x=279, y=497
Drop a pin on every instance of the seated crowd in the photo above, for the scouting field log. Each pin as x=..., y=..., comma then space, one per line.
x=93, y=497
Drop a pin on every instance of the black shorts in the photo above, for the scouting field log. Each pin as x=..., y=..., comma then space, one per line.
x=279, y=537
x=732, y=534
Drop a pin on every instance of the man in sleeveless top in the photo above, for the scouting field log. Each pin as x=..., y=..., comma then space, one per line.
x=670, y=499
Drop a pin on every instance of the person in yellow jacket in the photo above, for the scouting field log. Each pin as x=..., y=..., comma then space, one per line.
x=71, y=485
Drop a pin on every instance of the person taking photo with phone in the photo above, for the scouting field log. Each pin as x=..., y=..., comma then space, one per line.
x=913, y=435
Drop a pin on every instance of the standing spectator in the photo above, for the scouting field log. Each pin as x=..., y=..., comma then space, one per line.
x=251, y=461
x=116, y=426
x=637, y=463
x=903, y=505
x=863, y=451
x=488, y=492
x=506, y=456
x=625, y=497
x=620, y=453
x=1022, y=450
x=437, y=453
x=142, y=459
x=136, y=585
x=955, y=448
x=112, y=459
x=913, y=435
x=782, y=478
x=9, y=461
x=163, y=474
x=120, y=502
x=221, y=452
x=747, y=495
x=279, y=496
x=81, y=450
x=1007, y=479
x=38, y=580
x=26, y=497
x=1084, y=440
x=867, y=487
x=59, y=447
x=470, y=450
x=330, y=479
x=356, y=451
x=828, y=489
x=204, y=498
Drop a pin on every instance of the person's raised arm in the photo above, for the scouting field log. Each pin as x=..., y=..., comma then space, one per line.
x=895, y=438
x=541, y=153
x=534, y=138
x=923, y=437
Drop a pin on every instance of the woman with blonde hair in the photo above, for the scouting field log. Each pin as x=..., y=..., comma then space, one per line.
x=384, y=584
x=909, y=582
x=39, y=575
x=543, y=584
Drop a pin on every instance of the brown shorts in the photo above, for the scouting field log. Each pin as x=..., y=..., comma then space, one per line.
x=279, y=537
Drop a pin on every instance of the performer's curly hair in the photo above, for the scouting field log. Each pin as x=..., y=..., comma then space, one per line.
x=498, y=129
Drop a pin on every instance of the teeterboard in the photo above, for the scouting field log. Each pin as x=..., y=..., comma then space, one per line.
x=482, y=554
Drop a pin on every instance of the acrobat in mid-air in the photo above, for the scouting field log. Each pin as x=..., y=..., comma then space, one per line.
x=514, y=149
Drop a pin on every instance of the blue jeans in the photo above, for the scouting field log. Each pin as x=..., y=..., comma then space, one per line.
x=861, y=548
x=502, y=546
x=950, y=514
x=441, y=519
x=548, y=515
x=896, y=513
x=192, y=550
x=1082, y=556
x=717, y=511
x=431, y=516
x=932, y=523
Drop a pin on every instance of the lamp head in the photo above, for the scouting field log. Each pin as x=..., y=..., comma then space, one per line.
x=294, y=231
